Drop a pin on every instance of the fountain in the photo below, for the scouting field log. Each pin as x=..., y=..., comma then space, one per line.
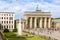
x=19, y=29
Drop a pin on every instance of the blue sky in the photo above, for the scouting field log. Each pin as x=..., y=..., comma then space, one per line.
x=20, y=6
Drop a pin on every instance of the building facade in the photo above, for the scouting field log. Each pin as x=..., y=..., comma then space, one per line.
x=7, y=20
x=23, y=23
x=56, y=23
x=38, y=19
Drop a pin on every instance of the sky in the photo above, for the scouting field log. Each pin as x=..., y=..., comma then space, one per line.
x=20, y=6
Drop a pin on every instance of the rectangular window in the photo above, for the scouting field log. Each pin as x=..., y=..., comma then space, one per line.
x=4, y=26
x=7, y=17
x=7, y=22
x=4, y=21
x=7, y=26
x=11, y=18
x=10, y=14
x=2, y=17
x=7, y=14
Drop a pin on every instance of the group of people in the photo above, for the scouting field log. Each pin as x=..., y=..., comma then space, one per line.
x=42, y=31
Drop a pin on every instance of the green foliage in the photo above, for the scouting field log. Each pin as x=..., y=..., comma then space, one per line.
x=13, y=36
x=6, y=30
x=15, y=30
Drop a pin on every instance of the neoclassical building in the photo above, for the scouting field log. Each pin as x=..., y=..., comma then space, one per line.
x=56, y=23
x=36, y=19
x=7, y=20
x=23, y=23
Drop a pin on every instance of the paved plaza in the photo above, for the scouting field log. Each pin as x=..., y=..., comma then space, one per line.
x=54, y=34
x=1, y=38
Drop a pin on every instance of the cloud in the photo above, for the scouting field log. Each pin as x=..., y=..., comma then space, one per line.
x=56, y=1
x=29, y=5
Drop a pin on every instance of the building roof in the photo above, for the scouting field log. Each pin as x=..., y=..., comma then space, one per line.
x=7, y=12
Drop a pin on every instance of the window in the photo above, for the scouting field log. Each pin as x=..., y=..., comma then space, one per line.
x=10, y=14
x=7, y=17
x=7, y=26
x=4, y=26
x=7, y=22
x=11, y=18
x=2, y=21
x=7, y=14
x=2, y=17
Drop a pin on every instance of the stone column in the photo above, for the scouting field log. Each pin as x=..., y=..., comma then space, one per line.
x=23, y=26
x=26, y=23
x=35, y=23
x=41, y=22
x=30, y=22
x=49, y=22
x=45, y=23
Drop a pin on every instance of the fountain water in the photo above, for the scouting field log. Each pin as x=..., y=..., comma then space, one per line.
x=19, y=29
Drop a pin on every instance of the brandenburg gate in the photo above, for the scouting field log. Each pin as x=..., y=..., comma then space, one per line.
x=37, y=19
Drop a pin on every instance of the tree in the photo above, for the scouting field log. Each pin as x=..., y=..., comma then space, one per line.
x=6, y=30
x=15, y=30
